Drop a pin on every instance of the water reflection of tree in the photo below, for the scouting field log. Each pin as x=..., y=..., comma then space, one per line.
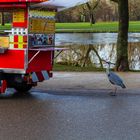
x=134, y=56
x=87, y=55
x=90, y=55
x=80, y=55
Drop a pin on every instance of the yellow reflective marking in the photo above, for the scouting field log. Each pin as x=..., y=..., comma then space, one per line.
x=20, y=38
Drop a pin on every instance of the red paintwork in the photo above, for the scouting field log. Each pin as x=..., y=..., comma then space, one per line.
x=13, y=5
x=43, y=61
x=40, y=76
x=22, y=24
x=3, y=86
x=10, y=1
x=12, y=59
x=15, y=38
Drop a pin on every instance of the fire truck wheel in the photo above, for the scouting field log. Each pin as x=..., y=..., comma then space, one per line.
x=23, y=87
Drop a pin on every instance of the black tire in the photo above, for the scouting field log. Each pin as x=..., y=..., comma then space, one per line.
x=22, y=87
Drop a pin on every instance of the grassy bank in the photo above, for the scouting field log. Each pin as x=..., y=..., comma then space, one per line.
x=68, y=68
x=134, y=26
x=5, y=27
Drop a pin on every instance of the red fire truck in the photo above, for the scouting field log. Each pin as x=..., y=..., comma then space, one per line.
x=27, y=46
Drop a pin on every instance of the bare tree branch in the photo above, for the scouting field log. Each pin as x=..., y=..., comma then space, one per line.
x=115, y=1
x=93, y=7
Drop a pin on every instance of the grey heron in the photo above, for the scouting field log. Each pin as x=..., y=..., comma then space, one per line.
x=114, y=78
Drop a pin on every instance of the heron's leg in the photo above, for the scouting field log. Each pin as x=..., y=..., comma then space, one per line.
x=114, y=93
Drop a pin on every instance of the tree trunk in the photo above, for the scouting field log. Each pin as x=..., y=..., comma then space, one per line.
x=2, y=19
x=122, y=42
x=92, y=20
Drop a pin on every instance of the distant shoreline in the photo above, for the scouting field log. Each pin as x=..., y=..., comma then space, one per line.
x=84, y=27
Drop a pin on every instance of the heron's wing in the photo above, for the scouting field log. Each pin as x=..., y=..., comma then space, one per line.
x=115, y=79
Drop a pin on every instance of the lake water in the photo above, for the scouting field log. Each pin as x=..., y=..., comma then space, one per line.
x=92, y=38
x=103, y=43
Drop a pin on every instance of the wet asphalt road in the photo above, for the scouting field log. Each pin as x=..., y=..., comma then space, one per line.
x=71, y=113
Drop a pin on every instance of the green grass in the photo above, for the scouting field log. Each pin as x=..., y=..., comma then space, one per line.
x=134, y=26
x=69, y=68
x=61, y=67
x=5, y=27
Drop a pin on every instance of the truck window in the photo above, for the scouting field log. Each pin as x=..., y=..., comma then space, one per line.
x=41, y=28
x=5, y=24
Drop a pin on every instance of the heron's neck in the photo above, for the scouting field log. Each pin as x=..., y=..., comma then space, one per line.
x=108, y=69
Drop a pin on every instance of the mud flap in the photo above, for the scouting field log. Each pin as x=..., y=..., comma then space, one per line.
x=40, y=76
x=34, y=77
